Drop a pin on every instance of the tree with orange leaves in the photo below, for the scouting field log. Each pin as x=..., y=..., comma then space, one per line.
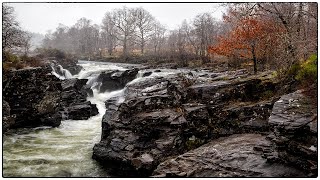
x=248, y=39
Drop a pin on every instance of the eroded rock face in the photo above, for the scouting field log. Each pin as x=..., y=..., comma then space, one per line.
x=294, y=124
x=37, y=98
x=162, y=117
x=33, y=96
x=115, y=80
x=232, y=156
x=74, y=104
x=141, y=131
x=7, y=119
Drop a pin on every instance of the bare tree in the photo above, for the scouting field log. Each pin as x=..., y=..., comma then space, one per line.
x=109, y=32
x=205, y=28
x=12, y=35
x=144, y=23
x=157, y=38
x=125, y=22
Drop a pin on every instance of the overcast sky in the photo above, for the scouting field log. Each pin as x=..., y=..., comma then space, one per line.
x=41, y=17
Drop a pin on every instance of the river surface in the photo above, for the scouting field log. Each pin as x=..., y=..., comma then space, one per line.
x=65, y=151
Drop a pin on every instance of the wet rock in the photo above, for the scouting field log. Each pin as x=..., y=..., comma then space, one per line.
x=116, y=80
x=164, y=116
x=74, y=104
x=33, y=95
x=70, y=65
x=71, y=84
x=252, y=88
x=81, y=111
x=294, y=124
x=7, y=119
x=143, y=130
x=232, y=156
x=146, y=74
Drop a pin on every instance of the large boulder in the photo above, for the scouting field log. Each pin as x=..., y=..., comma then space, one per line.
x=294, y=125
x=81, y=111
x=33, y=95
x=233, y=156
x=115, y=80
x=140, y=132
x=74, y=104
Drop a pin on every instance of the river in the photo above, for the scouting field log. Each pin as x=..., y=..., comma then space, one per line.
x=62, y=151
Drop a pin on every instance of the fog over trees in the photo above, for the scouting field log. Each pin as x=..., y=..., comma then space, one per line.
x=135, y=31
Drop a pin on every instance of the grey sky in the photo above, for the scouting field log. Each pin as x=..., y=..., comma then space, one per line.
x=41, y=17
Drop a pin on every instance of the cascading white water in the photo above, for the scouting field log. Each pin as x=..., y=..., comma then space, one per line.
x=62, y=151
x=65, y=73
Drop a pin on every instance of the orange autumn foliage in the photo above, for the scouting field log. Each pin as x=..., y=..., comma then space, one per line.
x=248, y=36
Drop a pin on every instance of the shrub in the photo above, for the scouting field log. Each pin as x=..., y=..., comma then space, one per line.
x=308, y=70
x=31, y=61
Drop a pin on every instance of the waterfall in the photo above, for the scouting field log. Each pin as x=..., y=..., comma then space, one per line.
x=61, y=73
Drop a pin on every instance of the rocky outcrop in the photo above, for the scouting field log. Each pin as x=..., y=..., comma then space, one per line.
x=139, y=133
x=70, y=65
x=233, y=156
x=33, y=96
x=7, y=119
x=165, y=116
x=74, y=104
x=223, y=91
x=294, y=125
x=115, y=80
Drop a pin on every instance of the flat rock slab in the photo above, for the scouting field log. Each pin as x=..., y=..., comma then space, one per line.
x=294, y=111
x=232, y=156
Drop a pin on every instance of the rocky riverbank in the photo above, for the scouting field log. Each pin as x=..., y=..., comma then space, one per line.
x=164, y=117
x=34, y=97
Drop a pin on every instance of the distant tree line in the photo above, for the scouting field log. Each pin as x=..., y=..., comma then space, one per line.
x=126, y=32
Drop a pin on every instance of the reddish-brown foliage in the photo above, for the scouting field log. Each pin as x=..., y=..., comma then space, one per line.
x=249, y=38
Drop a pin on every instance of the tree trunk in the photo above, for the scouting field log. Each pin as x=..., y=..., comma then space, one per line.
x=254, y=58
x=125, y=53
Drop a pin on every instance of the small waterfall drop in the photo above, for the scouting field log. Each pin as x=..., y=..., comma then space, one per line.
x=61, y=73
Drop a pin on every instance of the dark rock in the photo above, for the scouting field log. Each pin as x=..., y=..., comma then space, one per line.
x=158, y=70
x=146, y=74
x=71, y=84
x=74, y=100
x=33, y=95
x=252, y=88
x=81, y=111
x=70, y=65
x=143, y=130
x=161, y=118
x=7, y=119
x=294, y=124
x=232, y=156
x=116, y=80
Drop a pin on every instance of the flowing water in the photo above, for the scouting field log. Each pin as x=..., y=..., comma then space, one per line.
x=62, y=151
